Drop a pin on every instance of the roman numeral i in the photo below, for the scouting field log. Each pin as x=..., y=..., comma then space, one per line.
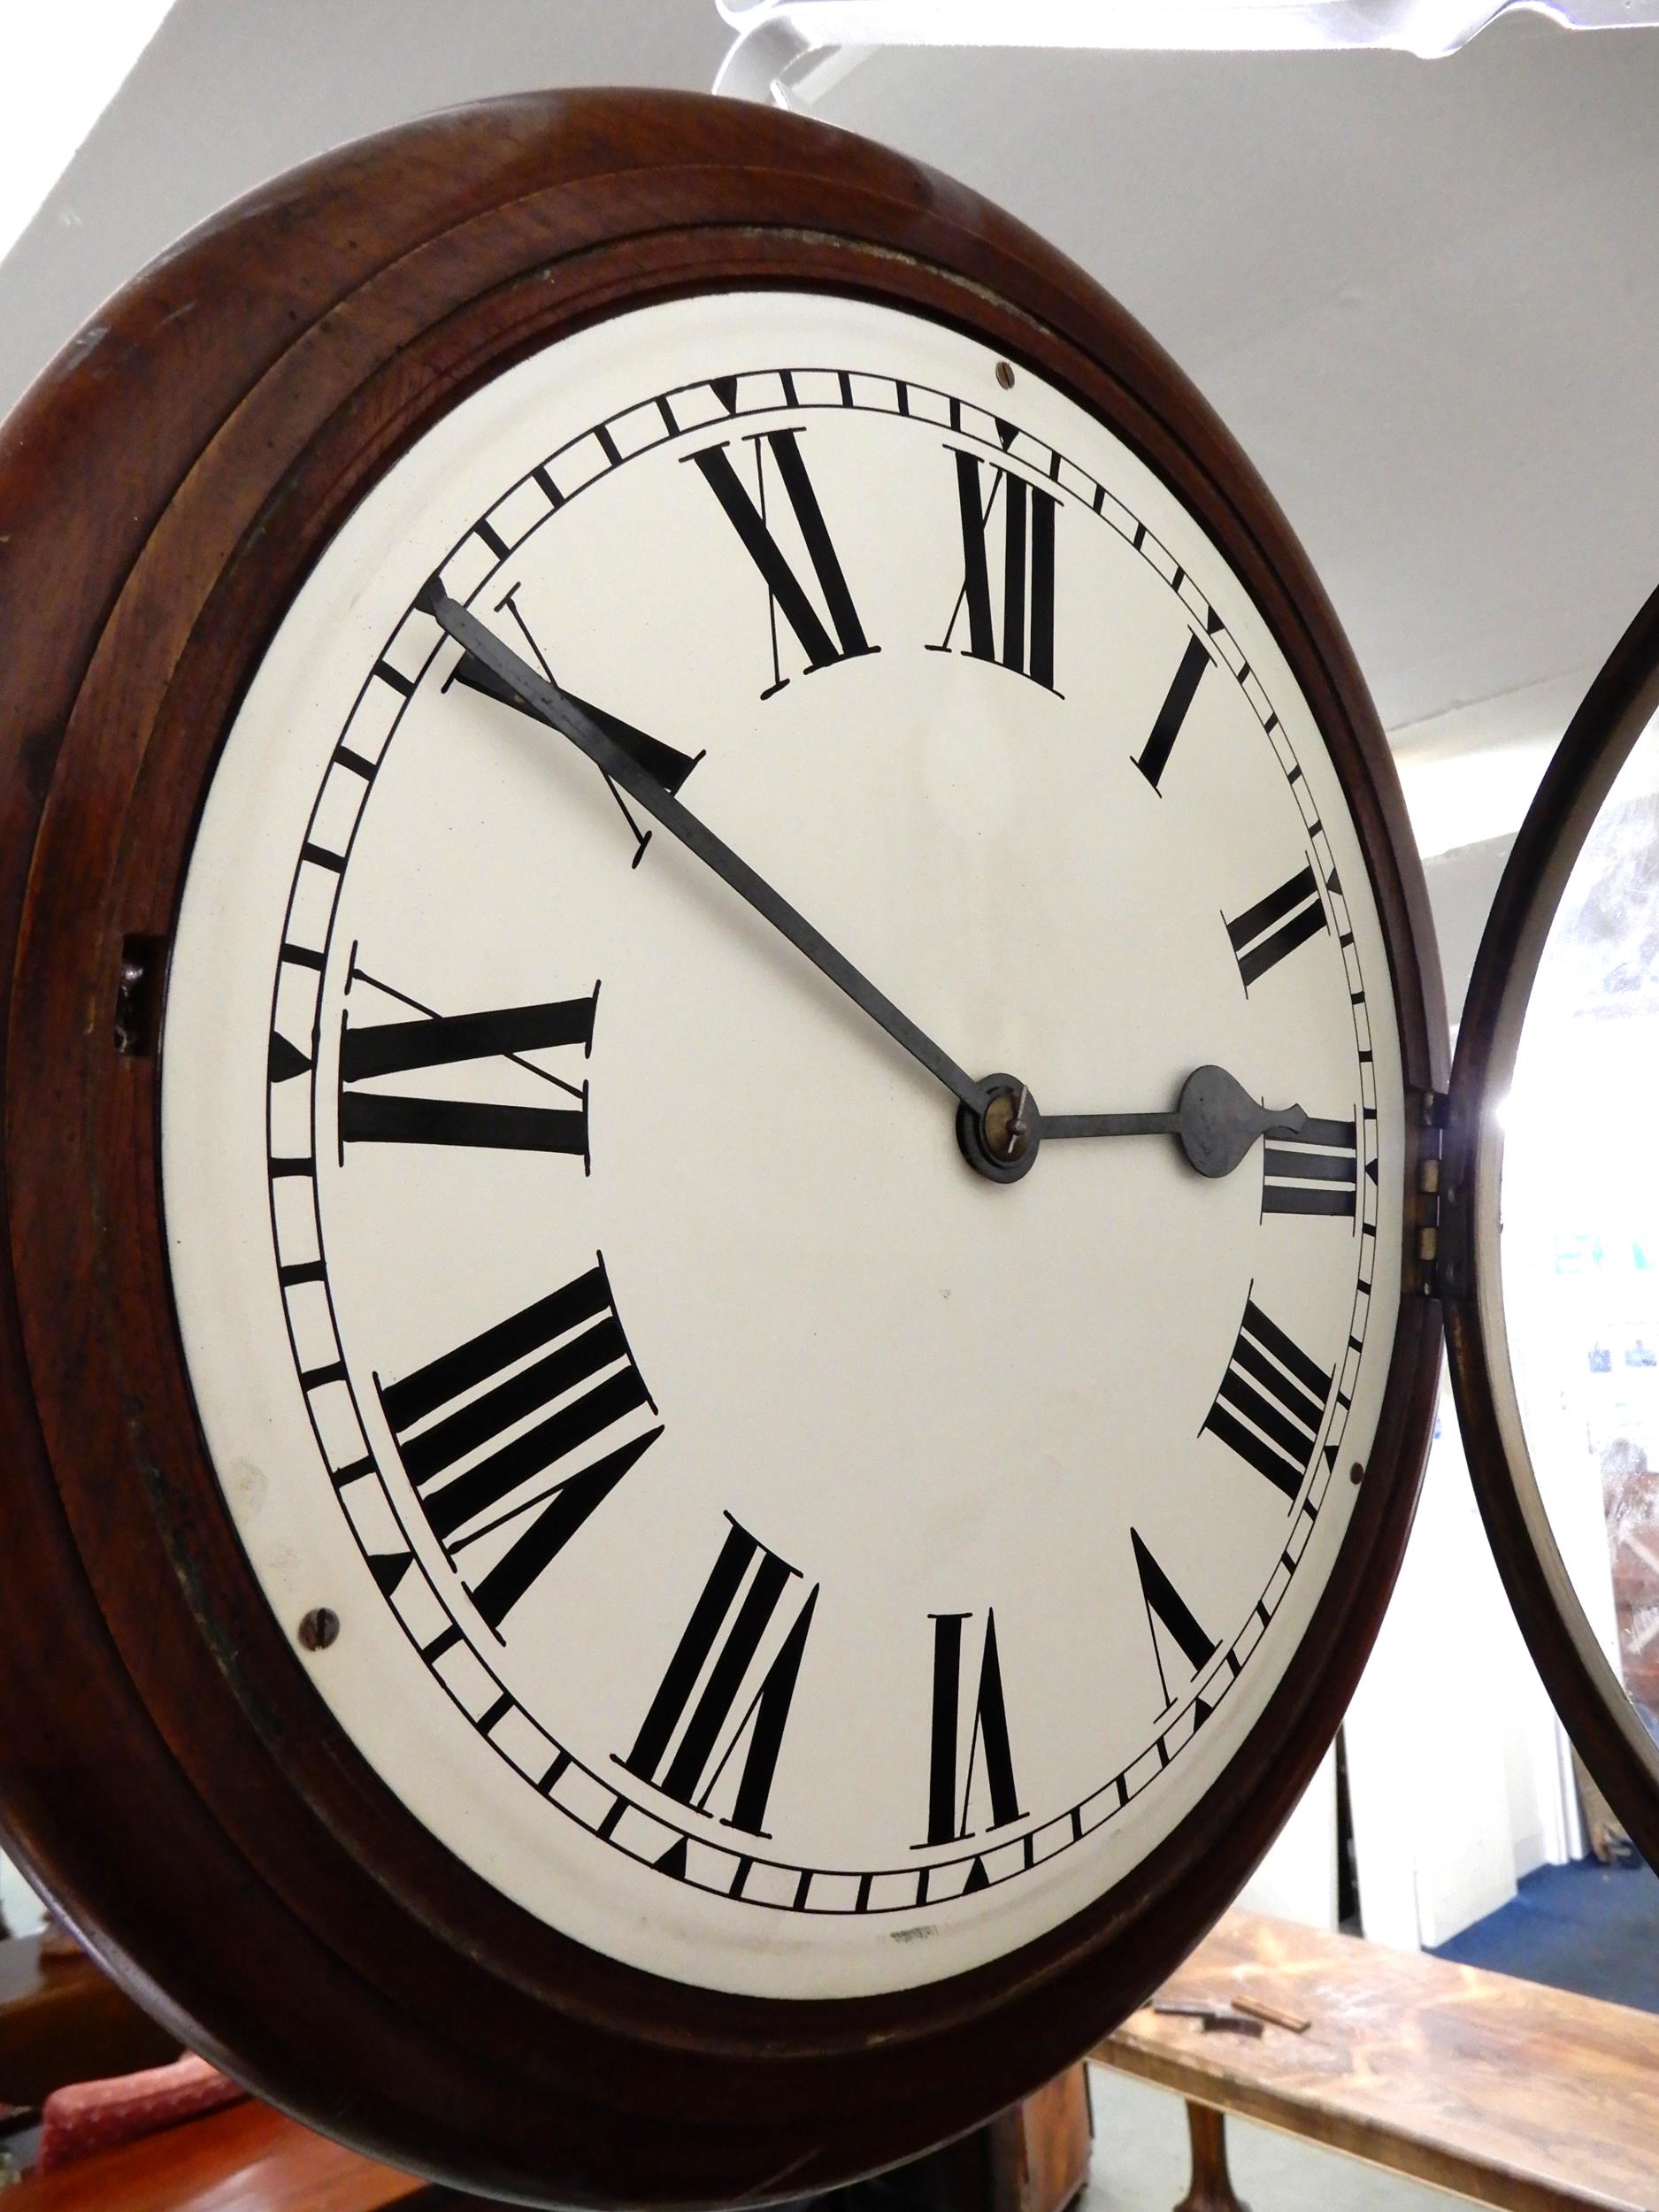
x=482, y=1476
x=728, y=1687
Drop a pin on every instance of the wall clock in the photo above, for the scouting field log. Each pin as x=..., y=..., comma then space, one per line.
x=724, y=1081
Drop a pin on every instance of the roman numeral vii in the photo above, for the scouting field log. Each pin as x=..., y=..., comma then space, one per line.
x=504, y=1498
x=726, y=1694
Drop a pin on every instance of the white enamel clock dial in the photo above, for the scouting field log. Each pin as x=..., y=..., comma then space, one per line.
x=766, y=1549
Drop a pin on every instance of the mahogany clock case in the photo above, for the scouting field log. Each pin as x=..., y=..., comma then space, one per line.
x=167, y=1773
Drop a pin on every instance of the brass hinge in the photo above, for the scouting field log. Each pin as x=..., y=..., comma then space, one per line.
x=1429, y=1216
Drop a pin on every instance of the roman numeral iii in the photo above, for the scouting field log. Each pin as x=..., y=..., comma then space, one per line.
x=835, y=634
x=370, y=1050
x=1315, y=1171
x=1275, y=925
x=504, y=1499
x=968, y=1727
x=1026, y=610
x=747, y=1671
x=1272, y=1402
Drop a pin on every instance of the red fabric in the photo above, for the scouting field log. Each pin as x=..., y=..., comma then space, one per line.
x=96, y=2115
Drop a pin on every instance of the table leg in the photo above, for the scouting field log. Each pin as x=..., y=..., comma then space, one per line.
x=1212, y=2189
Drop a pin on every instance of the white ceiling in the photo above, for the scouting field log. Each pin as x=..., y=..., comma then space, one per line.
x=1425, y=296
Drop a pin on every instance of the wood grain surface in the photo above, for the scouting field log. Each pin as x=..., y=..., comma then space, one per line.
x=1516, y=2095
x=163, y=492
x=248, y=2159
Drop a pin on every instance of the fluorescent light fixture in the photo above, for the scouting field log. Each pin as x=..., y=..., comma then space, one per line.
x=775, y=37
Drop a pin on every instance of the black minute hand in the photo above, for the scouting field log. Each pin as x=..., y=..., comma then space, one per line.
x=601, y=745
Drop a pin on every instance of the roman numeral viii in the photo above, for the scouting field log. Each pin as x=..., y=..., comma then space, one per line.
x=727, y=1690
x=1315, y=1171
x=1275, y=925
x=1026, y=610
x=1272, y=1402
x=370, y=1050
x=494, y=1436
x=963, y=1728
x=836, y=635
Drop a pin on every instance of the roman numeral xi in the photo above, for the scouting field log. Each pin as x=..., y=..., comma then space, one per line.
x=502, y=1499
x=726, y=1694
x=826, y=637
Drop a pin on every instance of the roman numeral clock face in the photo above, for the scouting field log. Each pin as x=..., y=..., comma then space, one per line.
x=822, y=1441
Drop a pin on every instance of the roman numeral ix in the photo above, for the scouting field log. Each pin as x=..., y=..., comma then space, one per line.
x=370, y=1050
x=836, y=635
x=1272, y=1402
x=726, y=1694
x=1315, y=1171
x=1026, y=612
x=482, y=1476
x=963, y=1728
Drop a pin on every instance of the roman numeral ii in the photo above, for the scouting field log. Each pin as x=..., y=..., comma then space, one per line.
x=1275, y=925
x=505, y=1500
x=747, y=1673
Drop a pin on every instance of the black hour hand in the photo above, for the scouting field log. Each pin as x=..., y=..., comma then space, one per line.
x=665, y=763
x=1215, y=1122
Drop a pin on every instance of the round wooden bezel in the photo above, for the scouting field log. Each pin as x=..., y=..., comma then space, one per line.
x=167, y=1771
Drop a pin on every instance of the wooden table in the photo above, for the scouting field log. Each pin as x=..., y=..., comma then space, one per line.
x=1506, y=2091
x=248, y=2159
